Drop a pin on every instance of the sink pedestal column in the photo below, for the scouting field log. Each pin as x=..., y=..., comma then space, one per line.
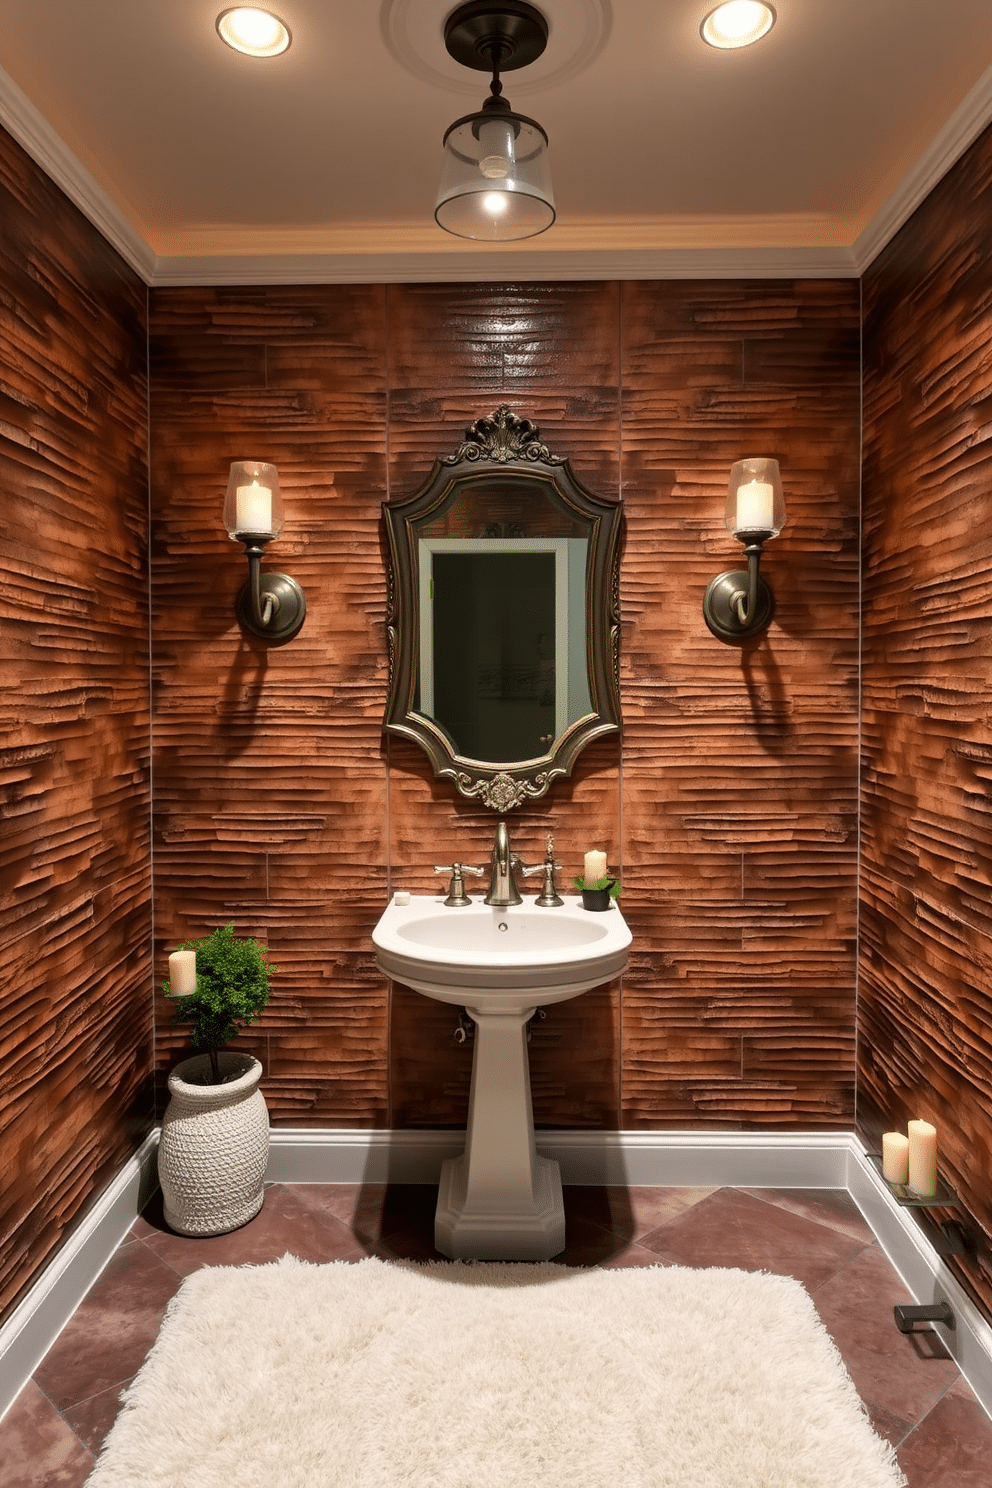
x=500, y=1201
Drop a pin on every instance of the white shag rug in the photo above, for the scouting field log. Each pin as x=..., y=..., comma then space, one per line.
x=491, y=1375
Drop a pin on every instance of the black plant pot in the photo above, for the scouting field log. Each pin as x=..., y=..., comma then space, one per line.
x=597, y=899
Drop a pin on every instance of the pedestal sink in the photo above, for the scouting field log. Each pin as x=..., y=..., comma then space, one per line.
x=500, y=1200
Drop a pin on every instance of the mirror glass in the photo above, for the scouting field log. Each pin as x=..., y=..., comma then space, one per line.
x=503, y=625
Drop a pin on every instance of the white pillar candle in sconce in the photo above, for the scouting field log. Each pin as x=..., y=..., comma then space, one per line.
x=254, y=508
x=922, y=1158
x=895, y=1157
x=755, y=507
x=595, y=866
x=182, y=973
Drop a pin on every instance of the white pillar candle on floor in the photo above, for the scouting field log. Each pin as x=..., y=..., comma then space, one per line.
x=182, y=973
x=922, y=1157
x=895, y=1157
x=595, y=866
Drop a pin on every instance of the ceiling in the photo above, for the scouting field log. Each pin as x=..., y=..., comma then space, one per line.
x=799, y=155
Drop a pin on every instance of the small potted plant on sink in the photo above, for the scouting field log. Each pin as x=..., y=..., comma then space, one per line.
x=215, y=1133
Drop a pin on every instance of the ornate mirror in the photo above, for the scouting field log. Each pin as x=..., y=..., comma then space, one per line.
x=503, y=614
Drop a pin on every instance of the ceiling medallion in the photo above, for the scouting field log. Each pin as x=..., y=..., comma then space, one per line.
x=413, y=31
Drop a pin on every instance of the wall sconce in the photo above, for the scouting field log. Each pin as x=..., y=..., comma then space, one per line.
x=270, y=605
x=739, y=604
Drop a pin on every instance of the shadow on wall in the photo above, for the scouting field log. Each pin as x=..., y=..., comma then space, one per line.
x=770, y=707
x=242, y=696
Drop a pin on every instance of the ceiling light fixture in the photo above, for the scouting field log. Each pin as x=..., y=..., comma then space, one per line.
x=495, y=179
x=257, y=33
x=737, y=24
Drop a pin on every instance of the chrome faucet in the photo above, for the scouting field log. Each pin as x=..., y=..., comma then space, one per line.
x=503, y=889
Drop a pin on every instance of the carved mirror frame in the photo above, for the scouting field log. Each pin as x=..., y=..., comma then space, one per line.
x=500, y=445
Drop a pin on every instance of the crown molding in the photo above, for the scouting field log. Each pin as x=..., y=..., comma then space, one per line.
x=964, y=126
x=34, y=134
x=496, y=266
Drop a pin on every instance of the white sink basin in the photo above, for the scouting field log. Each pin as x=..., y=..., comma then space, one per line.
x=501, y=1200
x=476, y=956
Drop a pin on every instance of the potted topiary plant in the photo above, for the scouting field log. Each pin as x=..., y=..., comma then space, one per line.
x=215, y=1133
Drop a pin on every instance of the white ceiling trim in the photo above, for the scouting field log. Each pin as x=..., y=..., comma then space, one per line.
x=961, y=130
x=494, y=265
x=33, y=132
x=402, y=264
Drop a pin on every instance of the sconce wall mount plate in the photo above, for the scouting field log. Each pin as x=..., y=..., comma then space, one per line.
x=721, y=606
x=276, y=595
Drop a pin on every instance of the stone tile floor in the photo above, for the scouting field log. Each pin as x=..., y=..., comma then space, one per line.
x=915, y=1394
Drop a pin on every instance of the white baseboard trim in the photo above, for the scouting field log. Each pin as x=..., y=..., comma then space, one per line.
x=662, y=1159
x=43, y=1312
x=654, y=1159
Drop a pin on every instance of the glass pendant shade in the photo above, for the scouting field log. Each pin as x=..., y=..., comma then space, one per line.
x=252, y=505
x=755, y=503
x=495, y=178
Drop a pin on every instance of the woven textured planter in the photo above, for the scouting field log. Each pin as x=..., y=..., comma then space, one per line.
x=214, y=1146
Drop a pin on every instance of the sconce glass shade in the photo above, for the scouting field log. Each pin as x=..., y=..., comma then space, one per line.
x=252, y=505
x=755, y=503
x=495, y=177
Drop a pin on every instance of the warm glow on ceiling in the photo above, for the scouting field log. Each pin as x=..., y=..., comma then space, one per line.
x=257, y=33
x=737, y=24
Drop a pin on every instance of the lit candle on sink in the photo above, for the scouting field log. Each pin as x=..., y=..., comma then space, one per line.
x=895, y=1157
x=922, y=1158
x=595, y=866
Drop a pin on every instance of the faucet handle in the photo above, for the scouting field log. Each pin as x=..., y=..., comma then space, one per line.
x=456, y=889
x=548, y=898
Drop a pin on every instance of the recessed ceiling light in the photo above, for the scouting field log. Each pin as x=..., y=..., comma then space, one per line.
x=737, y=24
x=257, y=33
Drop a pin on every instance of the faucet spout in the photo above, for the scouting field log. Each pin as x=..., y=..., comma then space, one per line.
x=503, y=889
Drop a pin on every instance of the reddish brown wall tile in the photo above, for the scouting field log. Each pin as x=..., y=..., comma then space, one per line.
x=925, y=1005
x=294, y=818
x=75, y=928
x=739, y=763
x=270, y=789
